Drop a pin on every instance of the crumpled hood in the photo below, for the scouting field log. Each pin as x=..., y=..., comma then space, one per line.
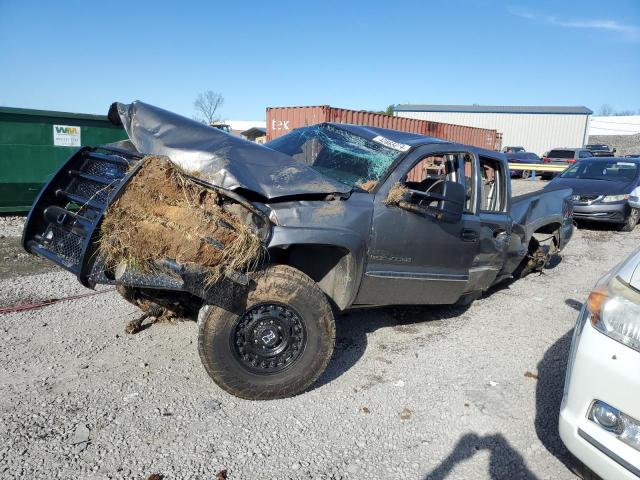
x=218, y=157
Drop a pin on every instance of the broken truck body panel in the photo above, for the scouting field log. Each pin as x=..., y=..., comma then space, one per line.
x=218, y=157
x=342, y=215
x=358, y=249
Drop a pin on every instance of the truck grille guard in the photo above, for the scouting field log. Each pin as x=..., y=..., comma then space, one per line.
x=64, y=220
x=63, y=226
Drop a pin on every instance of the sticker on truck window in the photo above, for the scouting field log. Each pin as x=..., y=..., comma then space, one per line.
x=66, y=136
x=391, y=144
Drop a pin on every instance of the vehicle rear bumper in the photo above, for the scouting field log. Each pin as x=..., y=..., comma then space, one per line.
x=600, y=369
x=612, y=212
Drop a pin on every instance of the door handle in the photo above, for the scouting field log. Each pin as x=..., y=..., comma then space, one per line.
x=469, y=235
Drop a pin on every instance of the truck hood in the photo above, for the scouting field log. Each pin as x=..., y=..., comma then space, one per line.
x=218, y=157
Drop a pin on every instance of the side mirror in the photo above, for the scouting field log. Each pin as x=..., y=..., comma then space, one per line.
x=613, y=150
x=445, y=201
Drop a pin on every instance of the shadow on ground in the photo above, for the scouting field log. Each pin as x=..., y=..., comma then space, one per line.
x=352, y=329
x=549, y=390
x=504, y=462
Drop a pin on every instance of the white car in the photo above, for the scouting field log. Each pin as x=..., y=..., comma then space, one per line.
x=600, y=411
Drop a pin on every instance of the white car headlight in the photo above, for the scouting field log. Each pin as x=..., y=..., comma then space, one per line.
x=614, y=310
x=614, y=198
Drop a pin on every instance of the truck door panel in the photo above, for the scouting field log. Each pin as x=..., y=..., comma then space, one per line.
x=495, y=223
x=415, y=258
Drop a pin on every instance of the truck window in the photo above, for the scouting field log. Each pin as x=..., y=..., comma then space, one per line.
x=492, y=186
x=431, y=170
x=469, y=184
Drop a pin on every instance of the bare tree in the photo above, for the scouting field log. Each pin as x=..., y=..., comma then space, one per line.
x=206, y=105
x=605, y=110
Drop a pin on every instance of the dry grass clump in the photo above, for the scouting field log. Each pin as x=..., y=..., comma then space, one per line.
x=396, y=194
x=163, y=214
x=368, y=185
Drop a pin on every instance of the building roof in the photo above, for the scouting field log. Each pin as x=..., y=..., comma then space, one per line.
x=553, y=110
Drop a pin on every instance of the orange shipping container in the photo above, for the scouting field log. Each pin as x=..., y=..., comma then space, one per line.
x=282, y=120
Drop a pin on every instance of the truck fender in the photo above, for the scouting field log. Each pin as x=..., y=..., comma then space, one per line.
x=333, y=258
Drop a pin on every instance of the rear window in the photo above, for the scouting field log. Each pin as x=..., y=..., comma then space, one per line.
x=561, y=154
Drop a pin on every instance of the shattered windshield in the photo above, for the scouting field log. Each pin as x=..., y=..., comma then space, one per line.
x=338, y=154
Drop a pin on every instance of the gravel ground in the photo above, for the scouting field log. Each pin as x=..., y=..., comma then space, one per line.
x=410, y=393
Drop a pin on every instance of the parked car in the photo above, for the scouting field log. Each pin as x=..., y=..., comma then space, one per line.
x=348, y=216
x=600, y=410
x=564, y=156
x=513, y=149
x=522, y=157
x=604, y=190
x=601, y=150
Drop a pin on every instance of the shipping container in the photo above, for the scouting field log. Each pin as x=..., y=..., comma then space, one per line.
x=33, y=145
x=282, y=120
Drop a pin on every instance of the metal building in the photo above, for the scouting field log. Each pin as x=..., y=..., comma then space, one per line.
x=537, y=129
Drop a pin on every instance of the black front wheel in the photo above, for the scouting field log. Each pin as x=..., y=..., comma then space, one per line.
x=278, y=346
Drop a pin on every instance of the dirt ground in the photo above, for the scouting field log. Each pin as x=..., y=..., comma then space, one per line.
x=412, y=393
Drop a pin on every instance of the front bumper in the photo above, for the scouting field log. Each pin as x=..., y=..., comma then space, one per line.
x=602, y=212
x=600, y=369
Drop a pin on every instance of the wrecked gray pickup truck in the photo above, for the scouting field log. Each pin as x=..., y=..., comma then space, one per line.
x=265, y=243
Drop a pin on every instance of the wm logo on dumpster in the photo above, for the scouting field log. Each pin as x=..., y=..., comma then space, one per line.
x=67, y=130
x=66, y=136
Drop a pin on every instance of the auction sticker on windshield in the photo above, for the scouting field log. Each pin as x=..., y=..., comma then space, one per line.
x=401, y=147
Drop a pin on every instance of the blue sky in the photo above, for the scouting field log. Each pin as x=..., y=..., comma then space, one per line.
x=80, y=56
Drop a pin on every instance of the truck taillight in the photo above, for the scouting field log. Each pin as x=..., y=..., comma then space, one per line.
x=571, y=160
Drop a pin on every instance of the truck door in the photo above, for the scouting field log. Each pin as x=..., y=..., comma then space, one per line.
x=495, y=222
x=414, y=257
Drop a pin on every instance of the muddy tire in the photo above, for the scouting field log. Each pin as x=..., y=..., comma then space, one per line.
x=278, y=346
x=631, y=221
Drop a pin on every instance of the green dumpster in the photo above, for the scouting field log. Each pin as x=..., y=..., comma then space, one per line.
x=33, y=145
